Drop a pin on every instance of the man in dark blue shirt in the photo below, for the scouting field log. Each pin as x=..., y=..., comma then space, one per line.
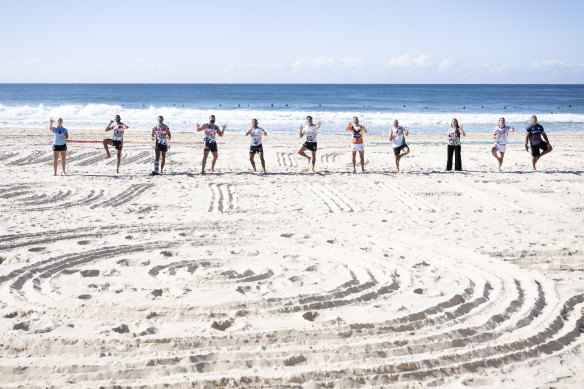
x=534, y=135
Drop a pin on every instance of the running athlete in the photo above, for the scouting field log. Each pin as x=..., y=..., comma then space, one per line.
x=398, y=136
x=534, y=134
x=211, y=129
x=59, y=144
x=256, y=144
x=310, y=131
x=117, y=139
x=357, y=131
x=500, y=134
x=160, y=133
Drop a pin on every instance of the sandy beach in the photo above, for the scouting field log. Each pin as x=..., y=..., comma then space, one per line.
x=291, y=278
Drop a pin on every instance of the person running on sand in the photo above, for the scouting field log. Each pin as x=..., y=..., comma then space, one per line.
x=211, y=129
x=534, y=134
x=117, y=139
x=357, y=131
x=256, y=144
x=310, y=131
x=398, y=136
x=160, y=133
x=500, y=134
x=454, y=145
x=59, y=144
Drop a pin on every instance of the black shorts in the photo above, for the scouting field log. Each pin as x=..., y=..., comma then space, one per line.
x=118, y=144
x=256, y=149
x=397, y=150
x=210, y=146
x=161, y=147
x=60, y=147
x=535, y=150
x=310, y=145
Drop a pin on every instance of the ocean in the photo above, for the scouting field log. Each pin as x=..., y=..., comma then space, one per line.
x=282, y=108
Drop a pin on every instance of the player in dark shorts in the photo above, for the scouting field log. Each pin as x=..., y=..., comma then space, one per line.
x=211, y=129
x=310, y=131
x=60, y=135
x=539, y=147
x=256, y=144
x=161, y=134
x=398, y=135
x=117, y=139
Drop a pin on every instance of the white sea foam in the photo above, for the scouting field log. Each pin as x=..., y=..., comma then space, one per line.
x=95, y=116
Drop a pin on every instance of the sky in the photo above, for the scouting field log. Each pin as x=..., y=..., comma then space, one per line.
x=299, y=41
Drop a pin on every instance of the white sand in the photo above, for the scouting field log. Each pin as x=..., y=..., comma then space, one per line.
x=470, y=279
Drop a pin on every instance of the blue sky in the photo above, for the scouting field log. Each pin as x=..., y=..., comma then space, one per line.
x=293, y=41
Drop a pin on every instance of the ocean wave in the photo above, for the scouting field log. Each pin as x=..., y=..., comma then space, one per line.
x=97, y=116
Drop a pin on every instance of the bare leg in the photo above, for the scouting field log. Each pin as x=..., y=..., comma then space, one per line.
x=107, y=142
x=397, y=158
x=55, y=160
x=119, y=159
x=163, y=160
x=301, y=152
x=63, y=160
x=362, y=157
x=354, y=162
x=535, y=159
x=494, y=151
x=262, y=161
x=205, y=154
x=215, y=155
x=251, y=159
x=313, y=159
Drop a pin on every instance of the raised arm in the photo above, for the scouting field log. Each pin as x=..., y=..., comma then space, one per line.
x=248, y=131
x=223, y=131
x=462, y=130
x=51, y=125
x=407, y=130
x=348, y=128
x=199, y=129
x=318, y=125
x=108, y=128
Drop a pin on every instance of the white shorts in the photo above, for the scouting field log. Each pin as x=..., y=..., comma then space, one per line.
x=357, y=147
x=501, y=148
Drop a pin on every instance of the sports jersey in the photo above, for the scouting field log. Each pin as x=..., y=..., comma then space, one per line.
x=210, y=132
x=456, y=140
x=535, y=131
x=59, y=135
x=118, y=131
x=502, y=134
x=161, y=133
x=399, y=136
x=256, y=136
x=357, y=134
x=310, y=132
